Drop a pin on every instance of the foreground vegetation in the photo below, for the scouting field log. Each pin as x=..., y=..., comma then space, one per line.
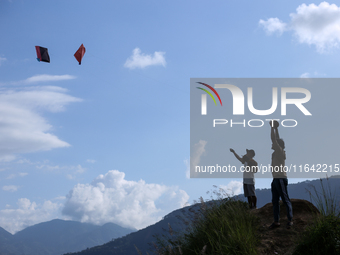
x=223, y=226
x=227, y=226
x=323, y=237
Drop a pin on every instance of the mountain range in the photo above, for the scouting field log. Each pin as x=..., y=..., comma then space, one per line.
x=58, y=237
x=177, y=219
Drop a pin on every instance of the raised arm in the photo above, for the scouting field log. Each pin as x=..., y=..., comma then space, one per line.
x=237, y=156
x=277, y=132
x=274, y=133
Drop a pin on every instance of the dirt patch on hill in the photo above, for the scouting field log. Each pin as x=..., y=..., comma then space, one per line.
x=282, y=240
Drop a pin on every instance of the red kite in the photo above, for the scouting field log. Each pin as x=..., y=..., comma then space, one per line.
x=42, y=54
x=80, y=53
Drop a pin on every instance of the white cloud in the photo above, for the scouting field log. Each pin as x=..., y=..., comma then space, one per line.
x=305, y=75
x=48, y=167
x=233, y=188
x=76, y=170
x=2, y=60
x=50, y=98
x=312, y=75
x=28, y=213
x=12, y=176
x=71, y=171
x=317, y=25
x=111, y=198
x=47, y=78
x=198, y=151
x=11, y=188
x=22, y=128
x=60, y=198
x=39, y=78
x=273, y=25
x=91, y=161
x=140, y=60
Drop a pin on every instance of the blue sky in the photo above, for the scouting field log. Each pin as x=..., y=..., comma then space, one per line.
x=108, y=140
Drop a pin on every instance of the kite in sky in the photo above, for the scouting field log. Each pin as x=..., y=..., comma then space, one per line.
x=42, y=54
x=80, y=53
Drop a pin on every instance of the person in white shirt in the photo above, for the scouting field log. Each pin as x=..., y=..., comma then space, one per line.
x=250, y=167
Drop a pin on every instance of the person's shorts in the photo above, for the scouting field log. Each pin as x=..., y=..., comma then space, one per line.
x=249, y=190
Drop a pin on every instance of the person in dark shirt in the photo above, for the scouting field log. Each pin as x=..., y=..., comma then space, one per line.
x=280, y=181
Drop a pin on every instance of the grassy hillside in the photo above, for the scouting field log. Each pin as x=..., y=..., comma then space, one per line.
x=227, y=226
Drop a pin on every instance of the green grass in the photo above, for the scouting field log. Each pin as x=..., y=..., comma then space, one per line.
x=226, y=226
x=223, y=226
x=326, y=200
x=323, y=237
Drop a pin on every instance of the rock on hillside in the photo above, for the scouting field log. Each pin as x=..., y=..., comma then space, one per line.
x=282, y=240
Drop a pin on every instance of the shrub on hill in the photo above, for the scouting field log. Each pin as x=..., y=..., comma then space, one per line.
x=223, y=226
x=322, y=237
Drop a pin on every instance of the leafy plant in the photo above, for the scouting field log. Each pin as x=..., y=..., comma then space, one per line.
x=219, y=226
x=323, y=237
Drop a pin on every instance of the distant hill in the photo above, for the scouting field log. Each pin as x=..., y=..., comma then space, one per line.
x=57, y=237
x=143, y=238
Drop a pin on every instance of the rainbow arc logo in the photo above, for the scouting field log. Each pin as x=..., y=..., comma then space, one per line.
x=209, y=93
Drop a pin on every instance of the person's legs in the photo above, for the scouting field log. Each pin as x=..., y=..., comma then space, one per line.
x=254, y=201
x=275, y=200
x=246, y=193
x=249, y=202
x=252, y=196
x=285, y=198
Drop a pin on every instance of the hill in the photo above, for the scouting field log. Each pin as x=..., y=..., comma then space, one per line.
x=276, y=241
x=299, y=190
x=143, y=238
x=61, y=237
x=282, y=240
x=57, y=237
